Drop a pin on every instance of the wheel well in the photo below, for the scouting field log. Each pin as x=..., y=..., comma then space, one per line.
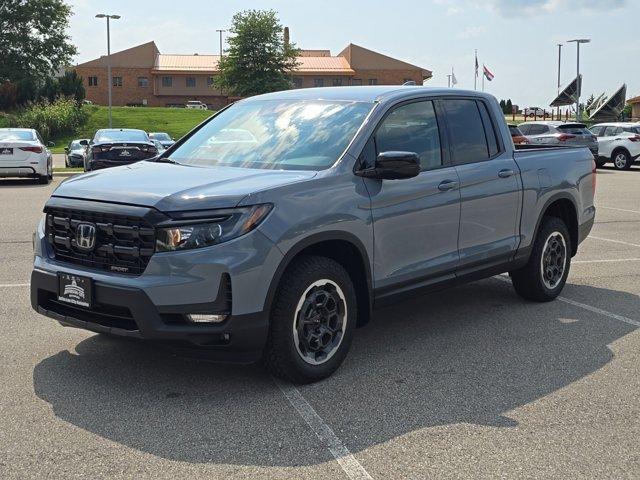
x=618, y=149
x=350, y=257
x=565, y=211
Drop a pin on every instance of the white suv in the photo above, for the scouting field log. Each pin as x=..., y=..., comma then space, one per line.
x=618, y=142
x=534, y=112
x=196, y=104
x=23, y=153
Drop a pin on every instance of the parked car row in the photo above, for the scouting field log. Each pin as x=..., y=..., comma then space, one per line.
x=615, y=142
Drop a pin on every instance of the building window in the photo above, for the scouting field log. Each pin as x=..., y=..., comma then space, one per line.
x=93, y=81
x=117, y=81
x=337, y=82
x=210, y=82
x=318, y=82
x=167, y=81
x=143, y=82
x=356, y=81
x=373, y=81
x=191, y=81
x=297, y=82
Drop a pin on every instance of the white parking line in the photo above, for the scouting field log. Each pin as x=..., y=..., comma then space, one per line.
x=609, y=260
x=613, y=241
x=584, y=306
x=343, y=456
x=11, y=285
x=619, y=209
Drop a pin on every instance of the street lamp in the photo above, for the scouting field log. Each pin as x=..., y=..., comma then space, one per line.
x=559, y=62
x=220, y=31
x=578, y=41
x=109, y=80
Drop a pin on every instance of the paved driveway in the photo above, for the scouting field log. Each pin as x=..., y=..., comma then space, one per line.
x=469, y=383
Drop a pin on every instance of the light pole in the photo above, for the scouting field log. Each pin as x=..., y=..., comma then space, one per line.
x=108, y=17
x=220, y=32
x=578, y=41
x=559, y=61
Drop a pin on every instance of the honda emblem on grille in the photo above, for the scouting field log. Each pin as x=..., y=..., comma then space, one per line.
x=86, y=236
x=125, y=153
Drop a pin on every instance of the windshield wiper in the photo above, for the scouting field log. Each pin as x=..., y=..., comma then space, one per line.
x=166, y=160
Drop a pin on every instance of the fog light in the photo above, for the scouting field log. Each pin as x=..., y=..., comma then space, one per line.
x=206, y=318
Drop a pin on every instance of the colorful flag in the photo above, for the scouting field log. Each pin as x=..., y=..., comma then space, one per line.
x=476, y=63
x=488, y=75
x=454, y=80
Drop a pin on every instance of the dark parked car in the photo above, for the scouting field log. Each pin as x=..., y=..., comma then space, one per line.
x=163, y=137
x=112, y=147
x=75, y=153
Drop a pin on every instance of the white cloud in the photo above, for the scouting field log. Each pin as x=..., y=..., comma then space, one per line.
x=472, y=32
x=520, y=8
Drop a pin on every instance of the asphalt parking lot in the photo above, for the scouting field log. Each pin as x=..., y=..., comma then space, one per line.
x=469, y=383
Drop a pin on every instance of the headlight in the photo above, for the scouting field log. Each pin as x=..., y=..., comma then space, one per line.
x=203, y=233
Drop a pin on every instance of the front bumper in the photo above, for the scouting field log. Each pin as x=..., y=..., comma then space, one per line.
x=152, y=305
x=128, y=312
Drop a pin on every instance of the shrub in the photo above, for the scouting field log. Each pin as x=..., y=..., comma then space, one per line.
x=50, y=119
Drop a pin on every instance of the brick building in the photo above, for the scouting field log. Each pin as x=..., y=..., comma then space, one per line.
x=635, y=107
x=142, y=75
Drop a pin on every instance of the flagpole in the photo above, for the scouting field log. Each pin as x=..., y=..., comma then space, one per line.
x=475, y=76
x=483, y=75
x=448, y=81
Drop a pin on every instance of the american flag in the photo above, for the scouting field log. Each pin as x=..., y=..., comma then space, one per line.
x=488, y=75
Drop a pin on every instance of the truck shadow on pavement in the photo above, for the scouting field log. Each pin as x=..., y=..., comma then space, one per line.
x=468, y=355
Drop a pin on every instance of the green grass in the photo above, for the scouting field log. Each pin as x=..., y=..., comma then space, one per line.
x=175, y=121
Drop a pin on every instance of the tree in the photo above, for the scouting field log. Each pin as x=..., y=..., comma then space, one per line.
x=503, y=106
x=258, y=59
x=70, y=85
x=508, y=106
x=589, y=103
x=33, y=39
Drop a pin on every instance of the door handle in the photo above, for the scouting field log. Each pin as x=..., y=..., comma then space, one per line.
x=447, y=185
x=506, y=173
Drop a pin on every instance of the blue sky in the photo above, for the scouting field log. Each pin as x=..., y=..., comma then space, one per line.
x=516, y=39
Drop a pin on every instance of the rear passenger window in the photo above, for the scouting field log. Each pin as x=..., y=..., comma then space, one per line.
x=597, y=131
x=469, y=143
x=489, y=131
x=538, y=130
x=412, y=128
x=524, y=128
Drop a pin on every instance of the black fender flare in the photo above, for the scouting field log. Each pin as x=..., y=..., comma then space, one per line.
x=312, y=240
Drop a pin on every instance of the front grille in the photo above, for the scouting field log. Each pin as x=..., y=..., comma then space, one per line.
x=123, y=244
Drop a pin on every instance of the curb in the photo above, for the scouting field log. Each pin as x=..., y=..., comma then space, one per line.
x=66, y=174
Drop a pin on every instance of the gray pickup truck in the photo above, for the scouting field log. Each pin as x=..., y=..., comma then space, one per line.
x=275, y=227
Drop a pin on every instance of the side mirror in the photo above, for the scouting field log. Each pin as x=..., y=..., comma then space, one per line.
x=66, y=149
x=394, y=166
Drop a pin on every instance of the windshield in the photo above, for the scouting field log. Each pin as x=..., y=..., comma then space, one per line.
x=160, y=136
x=76, y=145
x=16, y=135
x=275, y=134
x=120, y=136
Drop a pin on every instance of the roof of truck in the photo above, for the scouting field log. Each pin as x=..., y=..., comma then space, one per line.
x=361, y=93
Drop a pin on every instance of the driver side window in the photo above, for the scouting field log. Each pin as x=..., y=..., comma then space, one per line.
x=411, y=128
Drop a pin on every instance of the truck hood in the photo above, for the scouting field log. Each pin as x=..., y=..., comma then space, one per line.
x=171, y=187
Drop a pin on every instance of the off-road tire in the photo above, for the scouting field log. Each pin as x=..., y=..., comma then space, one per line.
x=281, y=356
x=528, y=281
